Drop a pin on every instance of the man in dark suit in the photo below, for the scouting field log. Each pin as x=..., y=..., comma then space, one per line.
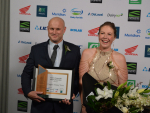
x=67, y=55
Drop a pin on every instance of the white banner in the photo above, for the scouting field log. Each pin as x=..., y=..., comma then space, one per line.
x=29, y=19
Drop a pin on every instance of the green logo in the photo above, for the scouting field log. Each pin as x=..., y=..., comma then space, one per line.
x=131, y=82
x=41, y=9
x=134, y=14
x=148, y=49
x=93, y=45
x=25, y=25
x=131, y=66
x=22, y=106
x=135, y=1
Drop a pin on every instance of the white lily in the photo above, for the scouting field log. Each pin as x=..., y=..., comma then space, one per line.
x=105, y=93
x=132, y=93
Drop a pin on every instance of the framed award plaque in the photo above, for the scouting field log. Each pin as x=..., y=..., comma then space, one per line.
x=55, y=83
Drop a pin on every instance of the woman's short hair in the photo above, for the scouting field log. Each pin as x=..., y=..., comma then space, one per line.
x=110, y=24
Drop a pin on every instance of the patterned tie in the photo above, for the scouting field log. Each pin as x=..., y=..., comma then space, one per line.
x=54, y=54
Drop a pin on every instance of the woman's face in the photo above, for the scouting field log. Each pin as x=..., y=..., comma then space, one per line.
x=106, y=37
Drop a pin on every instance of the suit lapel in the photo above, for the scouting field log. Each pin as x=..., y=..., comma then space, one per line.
x=63, y=55
x=47, y=55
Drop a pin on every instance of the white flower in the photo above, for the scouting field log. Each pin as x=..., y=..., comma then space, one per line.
x=133, y=93
x=105, y=93
x=124, y=110
x=68, y=48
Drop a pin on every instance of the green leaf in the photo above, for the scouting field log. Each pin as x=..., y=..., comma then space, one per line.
x=109, y=85
x=120, y=86
x=132, y=109
x=114, y=93
x=96, y=91
x=136, y=111
x=146, y=91
x=122, y=91
x=145, y=95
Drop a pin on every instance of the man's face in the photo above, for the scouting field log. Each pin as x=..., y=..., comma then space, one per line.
x=56, y=29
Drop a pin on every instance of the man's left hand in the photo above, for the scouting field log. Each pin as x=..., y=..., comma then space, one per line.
x=67, y=101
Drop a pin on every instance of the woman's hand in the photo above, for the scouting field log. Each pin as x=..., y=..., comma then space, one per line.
x=83, y=109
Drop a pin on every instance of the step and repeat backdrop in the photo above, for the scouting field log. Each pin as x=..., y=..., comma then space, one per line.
x=28, y=26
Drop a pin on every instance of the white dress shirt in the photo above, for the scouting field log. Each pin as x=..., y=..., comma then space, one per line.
x=59, y=52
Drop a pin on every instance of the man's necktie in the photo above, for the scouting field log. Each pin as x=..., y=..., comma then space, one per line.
x=54, y=54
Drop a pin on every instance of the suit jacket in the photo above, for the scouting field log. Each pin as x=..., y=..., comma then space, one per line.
x=39, y=55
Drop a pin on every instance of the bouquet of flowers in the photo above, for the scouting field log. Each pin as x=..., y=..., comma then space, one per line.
x=126, y=99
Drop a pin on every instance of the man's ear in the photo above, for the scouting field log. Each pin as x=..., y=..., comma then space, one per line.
x=64, y=29
x=47, y=28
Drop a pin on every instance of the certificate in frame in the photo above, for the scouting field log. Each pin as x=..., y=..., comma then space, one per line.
x=55, y=83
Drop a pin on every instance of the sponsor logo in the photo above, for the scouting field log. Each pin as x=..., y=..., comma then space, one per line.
x=24, y=10
x=80, y=46
x=135, y=1
x=147, y=50
x=146, y=69
x=148, y=33
x=132, y=67
x=130, y=50
x=117, y=33
x=24, y=26
x=95, y=14
x=93, y=45
x=133, y=35
x=131, y=82
x=76, y=30
x=134, y=15
x=148, y=15
x=23, y=59
x=77, y=12
x=115, y=49
x=114, y=15
x=145, y=86
x=60, y=14
x=24, y=42
x=22, y=105
x=40, y=28
x=96, y=1
x=18, y=75
x=41, y=11
x=20, y=91
x=93, y=32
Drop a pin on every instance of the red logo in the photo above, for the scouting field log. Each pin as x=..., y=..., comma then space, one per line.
x=23, y=59
x=20, y=91
x=130, y=50
x=24, y=10
x=93, y=32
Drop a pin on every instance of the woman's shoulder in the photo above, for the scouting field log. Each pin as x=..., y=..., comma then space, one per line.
x=118, y=57
x=88, y=53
